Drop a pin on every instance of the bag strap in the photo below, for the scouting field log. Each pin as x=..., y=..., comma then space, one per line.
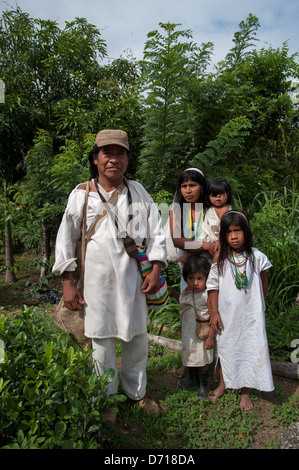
x=83, y=236
x=95, y=225
x=128, y=242
x=86, y=236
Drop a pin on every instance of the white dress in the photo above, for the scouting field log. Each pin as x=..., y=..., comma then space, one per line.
x=194, y=353
x=114, y=307
x=242, y=344
x=211, y=226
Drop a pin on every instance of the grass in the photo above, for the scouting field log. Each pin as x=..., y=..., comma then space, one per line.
x=186, y=423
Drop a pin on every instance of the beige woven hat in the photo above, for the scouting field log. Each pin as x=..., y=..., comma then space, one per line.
x=112, y=137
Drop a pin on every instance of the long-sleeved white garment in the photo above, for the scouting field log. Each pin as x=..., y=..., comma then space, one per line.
x=242, y=346
x=211, y=226
x=194, y=353
x=114, y=307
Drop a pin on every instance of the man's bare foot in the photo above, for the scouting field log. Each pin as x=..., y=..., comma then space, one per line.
x=218, y=392
x=181, y=372
x=245, y=403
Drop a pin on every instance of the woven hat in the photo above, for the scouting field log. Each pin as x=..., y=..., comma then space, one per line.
x=112, y=137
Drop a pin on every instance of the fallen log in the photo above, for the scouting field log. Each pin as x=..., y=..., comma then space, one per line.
x=283, y=369
x=172, y=344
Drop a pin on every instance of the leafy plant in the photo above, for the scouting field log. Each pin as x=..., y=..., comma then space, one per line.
x=50, y=396
x=288, y=412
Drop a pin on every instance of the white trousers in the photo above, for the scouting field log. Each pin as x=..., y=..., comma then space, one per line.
x=133, y=364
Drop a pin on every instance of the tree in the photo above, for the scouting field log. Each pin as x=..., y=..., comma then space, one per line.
x=42, y=66
x=247, y=117
x=120, y=105
x=6, y=216
x=170, y=59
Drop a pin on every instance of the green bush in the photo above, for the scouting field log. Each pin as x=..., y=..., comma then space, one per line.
x=275, y=230
x=50, y=396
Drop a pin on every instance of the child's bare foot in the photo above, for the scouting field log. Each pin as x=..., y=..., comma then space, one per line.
x=180, y=373
x=245, y=403
x=218, y=392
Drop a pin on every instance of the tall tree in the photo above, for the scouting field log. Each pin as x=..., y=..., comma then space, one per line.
x=245, y=113
x=170, y=59
x=41, y=65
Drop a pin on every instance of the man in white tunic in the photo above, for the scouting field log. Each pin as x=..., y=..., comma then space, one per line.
x=114, y=292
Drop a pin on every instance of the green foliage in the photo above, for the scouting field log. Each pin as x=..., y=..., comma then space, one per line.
x=222, y=155
x=275, y=228
x=288, y=413
x=50, y=397
x=119, y=104
x=282, y=326
x=169, y=61
x=166, y=320
x=43, y=67
x=243, y=39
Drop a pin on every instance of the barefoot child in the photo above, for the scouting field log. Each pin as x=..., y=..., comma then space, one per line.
x=195, y=325
x=237, y=289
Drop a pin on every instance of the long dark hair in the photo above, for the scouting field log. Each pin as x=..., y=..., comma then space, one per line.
x=239, y=219
x=195, y=264
x=194, y=175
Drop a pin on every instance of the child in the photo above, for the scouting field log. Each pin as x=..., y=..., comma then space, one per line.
x=195, y=325
x=219, y=196
x=237, y=289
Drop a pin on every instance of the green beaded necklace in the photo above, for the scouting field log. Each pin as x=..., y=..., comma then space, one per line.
x=240, y=278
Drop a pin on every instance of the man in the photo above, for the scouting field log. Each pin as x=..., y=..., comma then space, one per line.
x=114, y=293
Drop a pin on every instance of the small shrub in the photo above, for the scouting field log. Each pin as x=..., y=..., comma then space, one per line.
x=50, y=396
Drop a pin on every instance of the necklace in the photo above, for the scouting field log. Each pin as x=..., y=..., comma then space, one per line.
x=240, y=278
x=193, y=228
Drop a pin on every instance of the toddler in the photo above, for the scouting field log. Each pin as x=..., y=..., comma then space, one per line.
x=219, y=196
x=197, y=347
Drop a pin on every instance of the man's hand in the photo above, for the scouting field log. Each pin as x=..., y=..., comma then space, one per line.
x=151, y=282
x=71, y=295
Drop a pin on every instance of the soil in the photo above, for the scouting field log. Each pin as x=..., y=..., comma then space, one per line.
x=13, y=297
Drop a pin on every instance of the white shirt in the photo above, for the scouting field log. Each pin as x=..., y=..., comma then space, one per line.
x=114, y=304
x=194, y=353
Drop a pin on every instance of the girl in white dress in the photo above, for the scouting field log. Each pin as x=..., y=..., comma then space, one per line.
x=195, y=319
x=237, y=289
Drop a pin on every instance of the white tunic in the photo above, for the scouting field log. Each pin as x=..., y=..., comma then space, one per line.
x=194, y=353
x=242, y=343
x=211, y=226
x=115, y=307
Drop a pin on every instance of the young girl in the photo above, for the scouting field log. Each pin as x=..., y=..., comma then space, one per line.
x=195, y=318
x=219, y=195
x=237, y=289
